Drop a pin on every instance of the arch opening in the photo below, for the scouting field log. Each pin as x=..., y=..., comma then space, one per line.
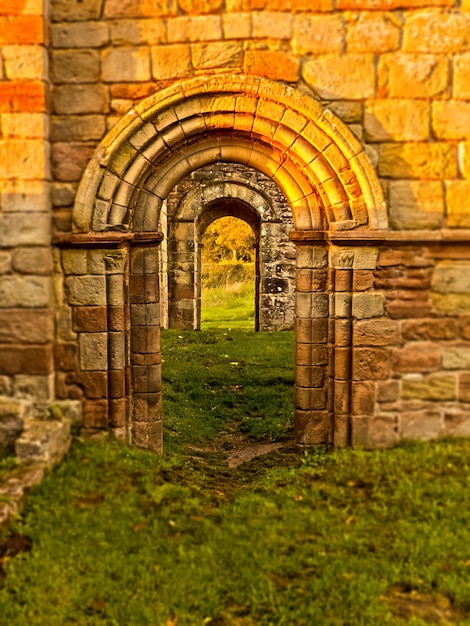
x=321, y=169
x=228, y=259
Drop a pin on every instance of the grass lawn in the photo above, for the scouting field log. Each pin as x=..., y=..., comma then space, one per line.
x=230, y=306
x=119, y=536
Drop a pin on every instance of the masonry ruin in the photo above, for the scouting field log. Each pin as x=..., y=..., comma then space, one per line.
x=338, y=129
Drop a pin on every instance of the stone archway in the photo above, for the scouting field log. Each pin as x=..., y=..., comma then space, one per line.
x=226, y=190
x=328, y=182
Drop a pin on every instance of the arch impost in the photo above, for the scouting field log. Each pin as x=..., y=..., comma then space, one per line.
x=108, y=238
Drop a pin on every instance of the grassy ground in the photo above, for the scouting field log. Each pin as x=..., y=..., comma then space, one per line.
x=231, y=306
x=118, y=536
x=216, y=379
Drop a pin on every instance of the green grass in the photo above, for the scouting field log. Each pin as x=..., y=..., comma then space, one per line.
x=212, y=379
x=231, y=306
x=297, y=538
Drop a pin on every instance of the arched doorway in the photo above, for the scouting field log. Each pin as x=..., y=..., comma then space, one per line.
x=228, y=274
x=213, y=191
x=330, y=187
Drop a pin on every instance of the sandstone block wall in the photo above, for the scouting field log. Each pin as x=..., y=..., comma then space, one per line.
x=382, y=347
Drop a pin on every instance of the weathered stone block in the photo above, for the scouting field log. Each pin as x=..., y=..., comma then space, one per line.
x=95, y=414
x=194, y=28
x=363, y=398
x=436, y=387
x=78, y=99
x=24, y=197
x=318, y=34
x=172, y=61
x=461, y=88
x=452, y=302
x=134, y=32
x=78, y=128
x=388, y=391
x=89, y=319
x=76, y=10
x=272, y=64
x=25, y=125
x=396, y=120
x=417, y=357
x=74, y=261
x=433, y=329
x=32, y=260
x=366, y=305
x=80, y=35
x=311, y=305
x=86, y=290
x=24, y=159
x=371, y=364
x=457, y=194
x=140, y=8
x=75, y=66
x=21, y=29
x=25, y=62
x=412, y=75
x=373, y=32
x=33, y=326
x=236, y=25
x=451, y=277
x=437, y=31
x=374, y=432
x=350, y=76
x=93, y=351
x=69, y=160
x=34, y=387
x=272, y=25
x=19, y=229
x=22, y=96
x=25, y=291
x=423, y=425
x=416, y=204
x=311, y=257
x=457, y=423
x=207, y=56
x=377, y=332
x=309, y=376
x=18, y=359
x=148, y=435
x=126, y=64
x=456, y=357
x=432, y=161
x=451, y=119
x=12, y=417
x=95, y=384
x=311, y=427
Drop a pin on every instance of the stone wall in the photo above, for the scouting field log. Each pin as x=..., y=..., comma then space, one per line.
x=26, y=260
x=388, y=357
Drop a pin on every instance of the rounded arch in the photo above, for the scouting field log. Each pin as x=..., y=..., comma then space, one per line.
x=317, y=162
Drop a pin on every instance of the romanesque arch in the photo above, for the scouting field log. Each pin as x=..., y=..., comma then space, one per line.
x=220, y=190
x=328, y=182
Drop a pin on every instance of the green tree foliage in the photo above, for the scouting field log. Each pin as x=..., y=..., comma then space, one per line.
x=228, y=239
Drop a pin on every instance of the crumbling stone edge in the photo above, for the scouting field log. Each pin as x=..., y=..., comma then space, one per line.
x=44, y=440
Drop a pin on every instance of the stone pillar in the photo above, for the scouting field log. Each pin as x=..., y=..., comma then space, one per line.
x=181, y=275
x=312, y=415
x=117, y=325
x=342, y=346
x=146, y=378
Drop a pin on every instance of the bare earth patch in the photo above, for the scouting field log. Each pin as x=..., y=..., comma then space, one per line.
x=432, y=609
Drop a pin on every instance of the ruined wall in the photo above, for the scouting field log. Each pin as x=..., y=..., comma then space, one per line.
x=396, y=73
x=26, y=294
